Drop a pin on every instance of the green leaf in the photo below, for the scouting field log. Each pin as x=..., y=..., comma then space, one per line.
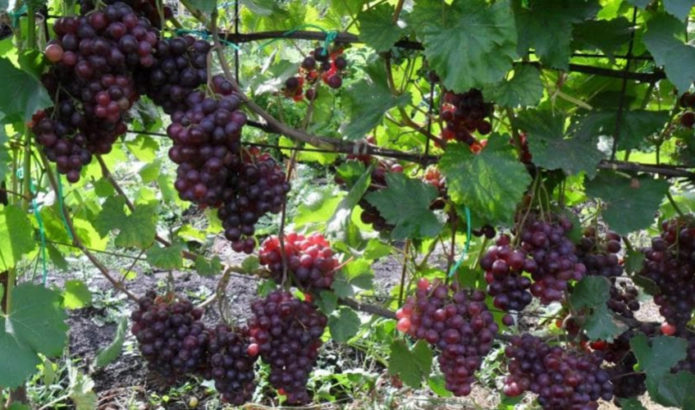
x=81, y=390
x=151, y=171
x=658, y=357
x=437, y=384
x=631, y=403
x=36, y=319
x=490, y=183
x=16, y=236
x=605, y=35
x=635, y=126
x=634, y=260
x=468, y=43
x=630, y=203
x=166, y=257
x=550, y=148
x=546, y=26
x=640, y=3
x=405, y=203
x=24, y=97
x=208, y=267
x=344, y=324
x=76, y=295
x=377, y=28
x=412, y=366
x=524, y=89
x=593, y=292
x=111, y=216
x=139, y=228
x=338, y=223
x=206, y=6
x=670, y=51
x=111, y=352
x=250, y=264
x=17, y=360
x=327, y=302
x=679, y=8
x=673, y=390
x=368, y=100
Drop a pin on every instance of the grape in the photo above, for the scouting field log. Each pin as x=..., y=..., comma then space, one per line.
x=670, y=264
x=562, y=379
x=464, y=114
x=600, y=255
x=688, y=119
x=457, y=322
x=287, y=332
x=171, y=336
x=231, y=361
x=310, y=260
x=320, y=63
x=54, y=53
x=504, y=268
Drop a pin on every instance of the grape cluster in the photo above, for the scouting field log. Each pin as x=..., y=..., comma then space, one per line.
x=179, y=68
x=145, y=8
x=464, y=114
x=623, y=298
x=435, y=178
x=93, y=57
x=556, y=263
x=231, y=361
x=562, y=379
x=600, y=255
x=256, y=187
x=328, y=65
x=504, y=267
x=687, y=101
x=310, y=260
x=457, y=322
x=171, y=336
x=626, y=382
x=206, y=146
x=670, y=263
x=287, y=333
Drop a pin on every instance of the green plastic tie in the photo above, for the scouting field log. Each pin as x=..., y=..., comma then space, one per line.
x=15, y=15
x=62, y=208
x=466, y=247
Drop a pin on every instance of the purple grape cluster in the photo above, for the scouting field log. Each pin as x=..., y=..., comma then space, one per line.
x=179, y=68
x=146, y=8
x=556, y=263
x=231, y=361
x=464, y=114
x=626, y=382
x=562, y=379
x=457, y=322
x=600, y=254
x=288, y=333
x=623, y=298
x=670, y=263
x=171, y=336
x=93, y=57
x=504, y=267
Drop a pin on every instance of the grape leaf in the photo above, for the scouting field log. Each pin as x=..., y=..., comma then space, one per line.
x=343, y=324
x=377, y=28
x=16, y=236
x=670, y=51
x=524, y=89
x=24, y=97
x=635, y=126
x=546, y=26
x=17, y=360
x=166, y=257
x=368, y=100
x=679, y=8
x=139, y=228
x=630, y=203
x=673, y=390
x=206, y=6
x=605, y=35
x=405, y=203
x=206, y=267
x=631, y=403
x=658, y=357
x=490, y=183
x=36, y=319
x=640, y=3
x=81, y=390
x=76, y=295
x=592, y=293
x=112, y=215
x=468, y=43
x=340, y=219
x=111, y=352
x=327, y=302
x=550, y=148
x=412, y=366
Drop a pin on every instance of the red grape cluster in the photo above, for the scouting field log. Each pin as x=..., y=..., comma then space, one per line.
x=206, y=146
x=171, y=336
x=231, y=361
x=600, y=254
x=256, y=187
x=328, y=65
x=179, y=68
x=91, y=81
x=145, y=8
x=287, y=332
x=554, y=255
x=310, y=260
x=435, y=178
x=504, y=267
x=457, y=322
x=623, y=298
x=687, y=101
x=562, y=379
x=464, y=114
x=670, y=263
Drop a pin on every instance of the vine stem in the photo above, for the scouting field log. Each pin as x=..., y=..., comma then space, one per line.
x=397, y=11
x=78, y=242
x=404, y=270
x=674, y=204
